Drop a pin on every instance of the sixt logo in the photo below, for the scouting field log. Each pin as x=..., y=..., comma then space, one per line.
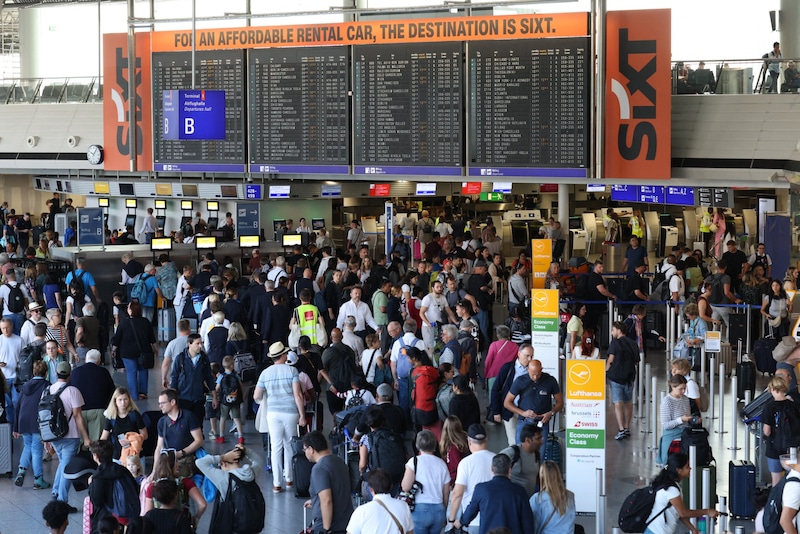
x=638, y=81
x=120, y=100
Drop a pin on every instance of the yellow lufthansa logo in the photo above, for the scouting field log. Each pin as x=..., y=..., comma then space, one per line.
x=580, y=374
x=544, y=303
x=586, y=379
x=539, y=246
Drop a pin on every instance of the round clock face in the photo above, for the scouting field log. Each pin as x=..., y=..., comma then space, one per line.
x=95, y=154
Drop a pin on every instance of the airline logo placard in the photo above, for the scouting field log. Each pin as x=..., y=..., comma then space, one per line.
x=544, y=328
x=541, y=256
x=116, y=133
x=638, y=121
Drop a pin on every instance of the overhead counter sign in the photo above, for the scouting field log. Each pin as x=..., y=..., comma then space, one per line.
x=193, y=114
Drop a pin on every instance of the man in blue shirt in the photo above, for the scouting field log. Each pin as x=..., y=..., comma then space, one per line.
x=501, y=503
x=634, y=256
x=80, y=272
x=536, y=391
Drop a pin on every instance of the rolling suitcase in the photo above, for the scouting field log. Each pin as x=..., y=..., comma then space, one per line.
x=742, y=488
x=762, y=351
x=6, y=452
x=554, y=450
x=745, y=375
x=725, y=357
x=166, y=324
x=737, y=328
x=752, y=412
x=699, y=486
x=301, y=466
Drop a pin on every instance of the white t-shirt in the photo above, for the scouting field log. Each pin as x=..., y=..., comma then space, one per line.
x=369, y=370
x=27, y=330
x=372, y=518
x=10, y=347
x=692, y=389
x=435, y=306
x=676, y=284
x=666, y=522
x=791, y=492
x=432, y=473
x=5, y=291
x=472, y=470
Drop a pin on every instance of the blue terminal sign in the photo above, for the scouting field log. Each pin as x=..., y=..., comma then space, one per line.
x=253, y=192
x=193, y=115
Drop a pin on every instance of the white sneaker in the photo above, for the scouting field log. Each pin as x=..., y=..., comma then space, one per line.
x=212, y=435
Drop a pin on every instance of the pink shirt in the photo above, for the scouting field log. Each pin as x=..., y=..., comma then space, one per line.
x=500, y=353
x=71, y=398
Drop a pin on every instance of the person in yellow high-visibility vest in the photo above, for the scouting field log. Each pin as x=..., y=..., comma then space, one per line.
x=308, y=317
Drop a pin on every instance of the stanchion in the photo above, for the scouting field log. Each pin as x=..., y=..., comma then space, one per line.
x=739, y=530
x=670, y=333
x=711, y=366
x=610, y=318
x=746, y=430
x=647, y=373
x=706, y=500
x=616, y=530
x=720, y=427
x=749, y=330
x=642, y=400
x=693, y=481
x=734, y=426
x=723, y=511
x=600, y=516
x=703, y=366
x=653, y=407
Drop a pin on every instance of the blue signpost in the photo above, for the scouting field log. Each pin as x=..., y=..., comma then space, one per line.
x=248, y=218
x=90, y=227
x=193, y=114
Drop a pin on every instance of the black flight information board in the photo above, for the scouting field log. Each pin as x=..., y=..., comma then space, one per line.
x=299, y=110
x=408, y=109
x=529, y=107
x=218, y=70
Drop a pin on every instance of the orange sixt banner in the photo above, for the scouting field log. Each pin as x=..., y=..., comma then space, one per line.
x=383, y=32
x=116, y=133
x=638, y=122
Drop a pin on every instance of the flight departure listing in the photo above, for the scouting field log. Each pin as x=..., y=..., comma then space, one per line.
x=299, y=110
x=529, y=107
x=407, y=109
x=216, y=70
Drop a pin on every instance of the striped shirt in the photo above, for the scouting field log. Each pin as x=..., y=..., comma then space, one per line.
x=672, y=410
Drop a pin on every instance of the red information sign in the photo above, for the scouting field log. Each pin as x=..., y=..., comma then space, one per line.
x=548, y=188
x=380, y=190
x=471, y=188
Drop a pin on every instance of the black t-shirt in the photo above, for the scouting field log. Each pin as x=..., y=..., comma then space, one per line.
x=595, y=279
x=768, y=418
x=735, y=261
x=634, y=282
x=122, y=425
x=474, y=285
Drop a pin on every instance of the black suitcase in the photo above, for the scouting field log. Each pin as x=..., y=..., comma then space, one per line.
x=655, y=320
x=737, y=329
x=745, y=379
x=742, y=488
x=753, y=410
x=762, y=351
x=301, y=466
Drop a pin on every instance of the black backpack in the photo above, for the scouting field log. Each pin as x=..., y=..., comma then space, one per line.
x=53, y=419
x=623, y=369
x=426, y=227
x=386, y=451
x=230, y=392
x=125, y=497
x=242, y=511
x=697, y=436
x=16, y=299
x=78, y=280
x=357, y=399
x=637, y=507
x=774, y=507
x=786, y=428
x=717, y=290
x=658, y=276
x=29, y=354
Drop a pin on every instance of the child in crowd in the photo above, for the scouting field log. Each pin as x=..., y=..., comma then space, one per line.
x=229, y=393
x=212, y=414
x=357, y=395
x=120, y=310
x=134, y=464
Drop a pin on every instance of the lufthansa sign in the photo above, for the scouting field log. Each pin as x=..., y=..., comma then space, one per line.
x=638, y=124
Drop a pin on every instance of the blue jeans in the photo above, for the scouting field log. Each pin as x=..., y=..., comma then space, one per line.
x=522, y=421
x=65, y=448
x=428, y=518
x=32, y=454
x=17, y=320
x=12, y=398
x=404, y=398
x=483, y=323
x=137, y=377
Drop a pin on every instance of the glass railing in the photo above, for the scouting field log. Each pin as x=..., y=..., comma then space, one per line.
x=51, y=90
x=735, y=76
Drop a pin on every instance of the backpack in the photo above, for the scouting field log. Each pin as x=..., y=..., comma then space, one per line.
x=125, y=497
x=623, y=369
x=774, y=507
x=139, y=289
x=29, y=354
x=658, y=276
x=78, y=279
x=697, y=436
x=16, y=299
x=637, y=507
x=230, y=392
x=386, y=451
x=403, y=363
x=53, y=420
x=717, y=290
x=786, y=429
x=661, y=291
x=242, y=511
x=357, y=399
x=426, y=227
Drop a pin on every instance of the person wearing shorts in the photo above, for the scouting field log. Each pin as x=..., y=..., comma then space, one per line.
x=623, y=357
x=229, y=408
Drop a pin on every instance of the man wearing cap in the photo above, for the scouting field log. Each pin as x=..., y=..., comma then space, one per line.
x=96, y=385
x=636, y=286
x=80, y=272
x=279, y=387
x=472, y=470
x=36, y=311
x=536, y=391
x=355, y=236
x=67, y=447
x=191, y=376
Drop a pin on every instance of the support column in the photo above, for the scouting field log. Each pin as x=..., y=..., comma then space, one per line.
x=563, y=215
x=789, y=21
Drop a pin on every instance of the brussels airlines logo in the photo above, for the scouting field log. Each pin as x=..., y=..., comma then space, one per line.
x=120, y=99
x=638, y=81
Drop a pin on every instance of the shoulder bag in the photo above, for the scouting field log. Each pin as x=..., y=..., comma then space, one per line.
x=146, y=358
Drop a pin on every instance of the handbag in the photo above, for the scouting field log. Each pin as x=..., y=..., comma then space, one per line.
x=322, y=336
x=146, y=359
x=294, y=335
x=713, y=227
x=380, y=374
x=410, y=496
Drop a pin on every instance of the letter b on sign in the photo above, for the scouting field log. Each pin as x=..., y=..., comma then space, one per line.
x=188, y=126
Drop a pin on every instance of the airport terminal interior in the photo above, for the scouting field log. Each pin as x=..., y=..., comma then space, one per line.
x=258, y=116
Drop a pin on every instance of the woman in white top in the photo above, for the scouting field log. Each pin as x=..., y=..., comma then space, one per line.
x=775, y=310
x=304, y=228
x=430, y=474
x=669, y=509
